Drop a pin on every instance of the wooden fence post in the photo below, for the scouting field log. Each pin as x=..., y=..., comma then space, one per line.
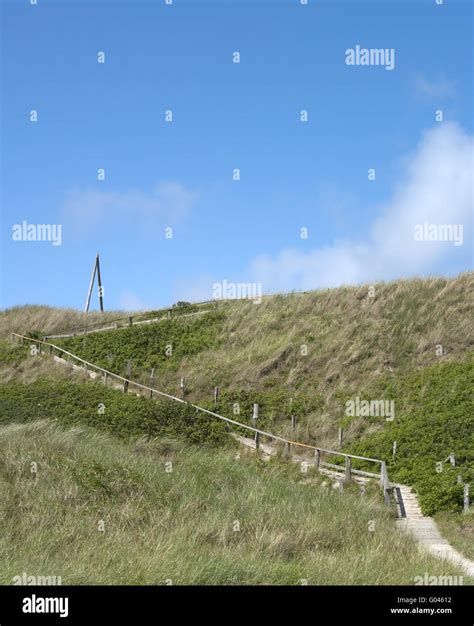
x=106, y=378
x=341, y=437
x=348, y=472
x=317, y=458
x=466, y=498
x=182, y=387
x=152, y=380
x=216, y=396
x=130, y=321
x=287, y=449
x=257, y=441
x=394, y=448
x=293, y=422
x=385, y=483
x=129, y=373
x=254, y=420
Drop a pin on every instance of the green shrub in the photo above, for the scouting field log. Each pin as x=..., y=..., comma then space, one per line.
x=147, y=345
x=107, y=409
x=12, y=354
x=434, y=419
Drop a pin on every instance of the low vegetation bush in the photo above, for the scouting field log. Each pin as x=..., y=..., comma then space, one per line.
x=161, y=345
x=12, y=354
x=434, y=418
x=94, y=405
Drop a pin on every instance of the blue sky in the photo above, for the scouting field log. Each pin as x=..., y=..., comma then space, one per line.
x=293, y=174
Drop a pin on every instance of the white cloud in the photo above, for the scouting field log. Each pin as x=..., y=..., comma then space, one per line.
x=166, y=202
x=437, y=187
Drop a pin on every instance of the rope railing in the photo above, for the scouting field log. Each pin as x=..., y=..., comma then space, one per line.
x=382, y=474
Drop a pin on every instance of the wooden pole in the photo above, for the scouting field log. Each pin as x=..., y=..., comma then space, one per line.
x=129, y=373
x=257, y=441
x=466, y=498
x=182, y=387
x=348, y=468
x=99, y=283
x=317, y=458
x=385, y=483
x=341, y=437
x=216, y=396
x=91, y=284
x=293, y=422
x=152, y=380
x=254, y=420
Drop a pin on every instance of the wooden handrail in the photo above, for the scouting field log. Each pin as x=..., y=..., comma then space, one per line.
x=86, y=330
x=383, y=467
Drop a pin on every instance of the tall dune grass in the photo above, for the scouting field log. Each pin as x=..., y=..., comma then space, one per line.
x=211, y=518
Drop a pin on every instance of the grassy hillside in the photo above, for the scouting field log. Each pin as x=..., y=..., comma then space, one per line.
x=316, y=342
x=48, y=320
x=307, y=355
x=45, y=320
x=193, y=516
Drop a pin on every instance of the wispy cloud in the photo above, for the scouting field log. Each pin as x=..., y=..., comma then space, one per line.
x=438, y=88
x=167, y=202
x=129, y=301
x=436, y=187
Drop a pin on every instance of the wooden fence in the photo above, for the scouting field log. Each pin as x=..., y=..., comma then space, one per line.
x=289, y=445
x=125, y=322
